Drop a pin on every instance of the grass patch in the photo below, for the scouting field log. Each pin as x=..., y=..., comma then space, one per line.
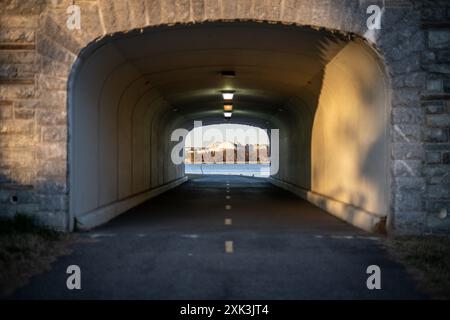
x=26, y=249
x=428, y=259
x=23, y=224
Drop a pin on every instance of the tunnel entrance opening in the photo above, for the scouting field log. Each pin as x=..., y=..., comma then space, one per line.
x=324, y=91
x=227, y=149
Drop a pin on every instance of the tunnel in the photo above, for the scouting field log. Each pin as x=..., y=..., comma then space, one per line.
x=325, y=91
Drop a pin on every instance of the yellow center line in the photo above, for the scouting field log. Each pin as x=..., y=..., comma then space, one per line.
x=229, y=247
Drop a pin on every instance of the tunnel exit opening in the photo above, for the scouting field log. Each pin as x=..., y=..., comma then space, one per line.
x=227, y=149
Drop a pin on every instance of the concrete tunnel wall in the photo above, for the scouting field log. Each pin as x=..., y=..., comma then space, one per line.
x=333, y=135
x=119, y=146
x=335, y=149
x=350, y=144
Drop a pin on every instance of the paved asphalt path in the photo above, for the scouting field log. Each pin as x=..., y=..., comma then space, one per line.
x=180, y=246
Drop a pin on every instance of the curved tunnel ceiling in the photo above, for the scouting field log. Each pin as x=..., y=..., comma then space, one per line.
x=273, y=63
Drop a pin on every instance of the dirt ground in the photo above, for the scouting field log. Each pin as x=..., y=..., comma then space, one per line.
x=27, y=250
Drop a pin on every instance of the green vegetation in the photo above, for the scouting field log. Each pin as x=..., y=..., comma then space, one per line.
x=26, y=249
x=428, y=259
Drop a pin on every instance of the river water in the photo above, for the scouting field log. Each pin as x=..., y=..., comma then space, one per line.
x=256, y=170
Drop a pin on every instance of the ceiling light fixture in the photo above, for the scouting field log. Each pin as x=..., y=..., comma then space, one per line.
x=228, y=94
x=227, y=107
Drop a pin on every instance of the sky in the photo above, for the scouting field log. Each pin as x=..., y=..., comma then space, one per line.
x=242, y=134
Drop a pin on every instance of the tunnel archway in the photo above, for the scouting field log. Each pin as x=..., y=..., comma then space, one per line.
x=324, y=90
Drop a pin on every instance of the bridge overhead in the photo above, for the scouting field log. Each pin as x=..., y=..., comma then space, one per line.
x=87, y=114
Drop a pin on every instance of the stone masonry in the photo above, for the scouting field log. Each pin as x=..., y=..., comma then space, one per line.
x=435, y=62
x=38, y=53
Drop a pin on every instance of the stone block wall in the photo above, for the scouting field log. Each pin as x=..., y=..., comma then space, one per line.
x=435, y=62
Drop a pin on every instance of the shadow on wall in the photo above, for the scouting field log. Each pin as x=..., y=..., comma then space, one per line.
x=335, y=142
x=32, y=177
x=23, y=190
x=296, y=118
x=350, y=135
x=359, y=200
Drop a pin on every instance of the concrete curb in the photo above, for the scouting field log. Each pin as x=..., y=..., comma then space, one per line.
x=358, y=217
x=102, y=215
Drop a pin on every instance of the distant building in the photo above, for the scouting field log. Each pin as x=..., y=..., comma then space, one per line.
x=229, y=153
